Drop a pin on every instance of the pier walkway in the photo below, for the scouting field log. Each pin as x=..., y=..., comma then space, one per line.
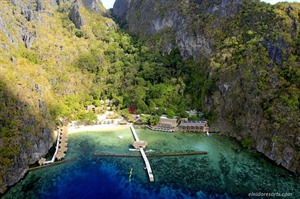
x=152, y=154
x=63, y=144
x=60, y=148
x=149, y=170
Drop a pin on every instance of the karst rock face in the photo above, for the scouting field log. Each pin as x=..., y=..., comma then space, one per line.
x=176, y=17
x=25, y=136
x=26, y=123
x=75, y=15
x=244, y=50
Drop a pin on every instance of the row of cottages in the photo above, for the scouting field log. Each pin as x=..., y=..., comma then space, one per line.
x=168, y=122
x=165, y=125
x=191, y=126
x=171, y=125
x=93, y=108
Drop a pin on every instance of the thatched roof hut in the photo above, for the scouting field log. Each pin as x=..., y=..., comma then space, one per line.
x=63, y=139
x=63, y=148
x=194, y=126
x=91, y=108
x=140, y=144
x=60, y=155
x=42, y=161
x=167, y=121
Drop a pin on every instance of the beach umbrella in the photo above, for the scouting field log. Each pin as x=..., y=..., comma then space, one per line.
x=64, y=133
x=63, y=144
x=63, y=148
x=63, y=139
x=60, y=155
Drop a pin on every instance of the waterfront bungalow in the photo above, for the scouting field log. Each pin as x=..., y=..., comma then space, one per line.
x=165, y=125
x=190, y=126
x=167, y=121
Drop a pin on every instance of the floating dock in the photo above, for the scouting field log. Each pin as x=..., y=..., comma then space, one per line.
x=148, y=167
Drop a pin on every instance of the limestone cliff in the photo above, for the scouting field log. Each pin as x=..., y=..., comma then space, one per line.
x=37, y=44
x=26, y=129
x=177, y=21
x=245, y=73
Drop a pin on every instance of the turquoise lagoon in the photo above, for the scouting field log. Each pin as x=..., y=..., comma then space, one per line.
x=227, y=171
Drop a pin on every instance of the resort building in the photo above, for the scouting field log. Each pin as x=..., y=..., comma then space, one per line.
x=167, y=121
x=165, y=125
x=191, y=126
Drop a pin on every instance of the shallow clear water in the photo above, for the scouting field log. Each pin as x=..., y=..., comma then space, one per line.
x=226, y=171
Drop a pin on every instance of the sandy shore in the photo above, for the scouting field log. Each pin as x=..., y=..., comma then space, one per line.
x=100, y=127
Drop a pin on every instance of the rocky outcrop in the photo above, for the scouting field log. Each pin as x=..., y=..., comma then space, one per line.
x=11, y=38
x=27, y=37
x=24, y=34
x=121, y=10
x=94, y=5
x=39, y=6
x=59, y=2
x=75, y=16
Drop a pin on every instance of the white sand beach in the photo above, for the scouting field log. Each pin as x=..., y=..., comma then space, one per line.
x=98, y=127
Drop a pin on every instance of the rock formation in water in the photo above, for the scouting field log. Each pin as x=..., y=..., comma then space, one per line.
x=246, y=75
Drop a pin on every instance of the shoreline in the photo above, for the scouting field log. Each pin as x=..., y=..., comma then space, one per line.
x=98, y=127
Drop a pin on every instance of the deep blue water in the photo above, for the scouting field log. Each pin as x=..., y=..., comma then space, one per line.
x=228, y=171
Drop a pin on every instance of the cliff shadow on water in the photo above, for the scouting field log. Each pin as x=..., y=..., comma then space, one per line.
x=25, y=131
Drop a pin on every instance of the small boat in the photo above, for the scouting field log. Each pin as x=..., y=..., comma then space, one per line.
x=120, y=137
x=149, y=151
x=133, y=149
x=130, y=174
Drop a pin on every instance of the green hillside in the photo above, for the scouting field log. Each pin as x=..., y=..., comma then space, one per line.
x=240, y=65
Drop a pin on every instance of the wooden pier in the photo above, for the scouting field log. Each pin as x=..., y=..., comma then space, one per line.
x=152, y=154
x=53, y=164
x=149, y=170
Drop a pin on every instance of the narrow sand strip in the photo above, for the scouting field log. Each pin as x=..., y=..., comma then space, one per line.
x=100, y=127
